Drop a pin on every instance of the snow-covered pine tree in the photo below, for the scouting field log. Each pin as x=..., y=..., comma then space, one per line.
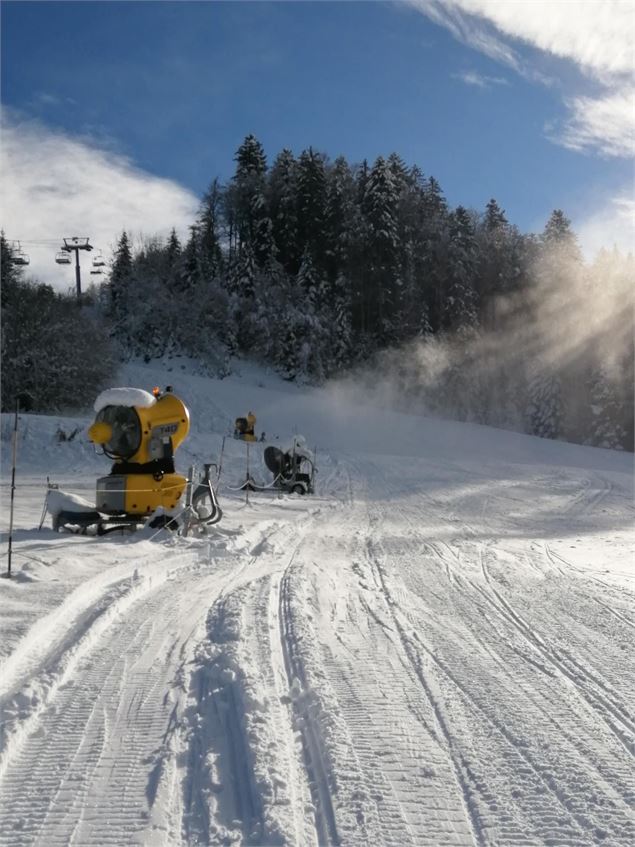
x=250, y=159
x=149, y=320
x=338, y=322
x=283, y=205
x=312, y=206
x=545, y=409
x=250, y=215
x=412, y=310
x=120, y=278
x=494, y=218
x=309, y=280
x=433, y=242
x=466, y=391
x=245, y=272
x=607, y=411
x=626, y=391
x=313, y=337
x=48, y=354
x=492, y=278
x=359, y=264
x=380, y=208
x=10, y=274
x=209, y=230
x=558, y=235
x=315, y=304
x=403, y=318
x=459, y=305
x=173, y=249
x=205, y=326
x=340, y=211
x=290, y=329
x=188, y=269
x=264, y=248
x=610, y=349
x=557, y=273
x=273, y=302
x=399, y=171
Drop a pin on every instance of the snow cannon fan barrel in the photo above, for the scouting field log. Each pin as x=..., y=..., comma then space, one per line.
x=140, y=432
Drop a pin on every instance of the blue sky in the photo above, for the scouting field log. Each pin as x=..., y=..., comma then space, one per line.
x=120, y=113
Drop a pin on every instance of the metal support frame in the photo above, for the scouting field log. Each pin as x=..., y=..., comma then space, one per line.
x=74, y=245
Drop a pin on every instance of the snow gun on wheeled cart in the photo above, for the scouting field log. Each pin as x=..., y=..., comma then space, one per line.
x=293, y=469
x=141, y=432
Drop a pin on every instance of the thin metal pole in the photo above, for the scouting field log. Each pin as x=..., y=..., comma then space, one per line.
x=15, y=453
x=78, y=279
x=46, y=503
x=220, y=460
x=247, y=485
x=187, y=511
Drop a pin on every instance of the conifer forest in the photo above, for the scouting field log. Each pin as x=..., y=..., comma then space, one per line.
x=321, y=268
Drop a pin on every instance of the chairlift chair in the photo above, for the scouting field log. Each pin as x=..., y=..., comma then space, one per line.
x=99, y=262
x=18, y=256
x=63, y=258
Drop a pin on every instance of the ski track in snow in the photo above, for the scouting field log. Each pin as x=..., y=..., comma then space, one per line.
x=579, y=814
x=81, y=774
x=414, y=656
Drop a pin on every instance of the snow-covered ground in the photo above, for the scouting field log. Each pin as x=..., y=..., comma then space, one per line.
x=434, y=649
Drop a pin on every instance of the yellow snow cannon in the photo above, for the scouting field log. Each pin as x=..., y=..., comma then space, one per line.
x=244, y=428
x=140, y=432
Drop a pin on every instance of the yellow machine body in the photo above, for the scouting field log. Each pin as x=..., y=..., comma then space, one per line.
x=167, y=418
x=141, y=440
x=138, y=494
x=244, y=428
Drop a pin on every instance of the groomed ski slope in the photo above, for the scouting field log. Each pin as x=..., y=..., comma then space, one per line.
x=434, y=649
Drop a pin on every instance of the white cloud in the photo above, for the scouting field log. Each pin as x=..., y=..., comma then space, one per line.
x=606, y=124
x=597, y=36
x=480, y=80
x=48, y=99
x=56, y=186
x=613, y=225
x=449, y=15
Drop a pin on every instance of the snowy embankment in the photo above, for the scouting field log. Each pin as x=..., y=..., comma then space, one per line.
x=436, y=648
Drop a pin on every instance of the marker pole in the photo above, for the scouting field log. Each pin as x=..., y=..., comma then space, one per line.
x=248, y=478
x=15, y=454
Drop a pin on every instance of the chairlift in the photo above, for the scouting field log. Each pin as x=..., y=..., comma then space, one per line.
x=96, y=272
x=63, y=258
x=77, y=243
x=99, y=261
x=18, y=256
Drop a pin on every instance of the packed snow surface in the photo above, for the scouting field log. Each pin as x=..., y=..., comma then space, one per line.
x=61, y=501
x=435, y=649
x=124, y=397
